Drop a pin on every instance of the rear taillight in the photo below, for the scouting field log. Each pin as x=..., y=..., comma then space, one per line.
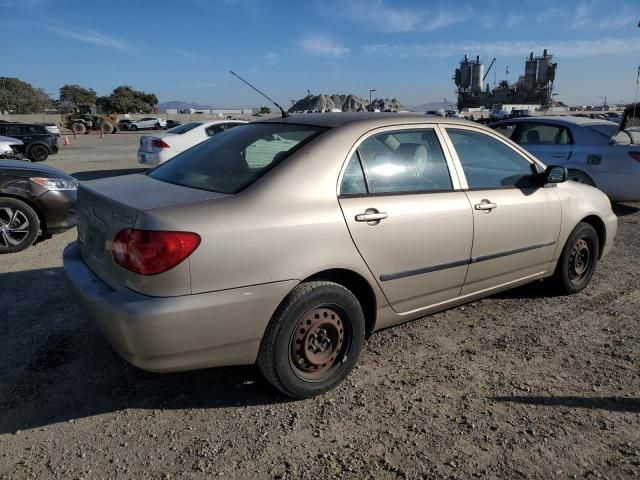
x=635, y=156
x=159, y=143
x=149, y=252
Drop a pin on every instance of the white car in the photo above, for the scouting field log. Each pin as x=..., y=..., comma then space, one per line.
x=148, y=123
x=157, y=149
x=7, y=146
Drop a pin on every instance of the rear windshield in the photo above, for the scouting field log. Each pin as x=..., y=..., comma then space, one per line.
x=180, y=129
x=608, y=130
x=231, y=160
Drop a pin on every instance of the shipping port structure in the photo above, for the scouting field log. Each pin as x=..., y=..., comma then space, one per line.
x=534, y=87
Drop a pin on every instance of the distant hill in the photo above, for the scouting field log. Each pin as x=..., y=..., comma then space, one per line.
x=344, y=102
x=162, y=107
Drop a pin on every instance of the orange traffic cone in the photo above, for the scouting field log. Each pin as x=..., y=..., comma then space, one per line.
x=101, y=133
x=66, y=141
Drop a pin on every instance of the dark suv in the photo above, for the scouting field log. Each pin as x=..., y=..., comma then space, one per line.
x=39, y=143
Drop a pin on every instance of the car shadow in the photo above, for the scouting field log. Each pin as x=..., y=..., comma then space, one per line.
x=55, y=366
x=613, y=404
x=622, y=210
x=96, y=174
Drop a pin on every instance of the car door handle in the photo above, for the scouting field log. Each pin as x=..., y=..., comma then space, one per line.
x=559, y=155
x=485, y=205
x=371, y=215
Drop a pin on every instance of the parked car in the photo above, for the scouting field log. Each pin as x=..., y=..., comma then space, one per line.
x=159, y=148
x=148, y=123
x=38, y=142
x=173, y=123
x=9, y=147
x=584, y=146
x=124, y=124
x=499, y=114
x=36, y=201
x=51, y=127
x=286, y=242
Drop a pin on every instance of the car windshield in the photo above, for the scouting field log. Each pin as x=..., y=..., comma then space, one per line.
x=232, y=160
x=180, y=129
x=608, y=130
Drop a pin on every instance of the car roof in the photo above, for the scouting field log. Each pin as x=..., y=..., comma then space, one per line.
x=367, y=119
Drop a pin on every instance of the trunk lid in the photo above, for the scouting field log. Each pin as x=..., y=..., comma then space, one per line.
x=109, y=205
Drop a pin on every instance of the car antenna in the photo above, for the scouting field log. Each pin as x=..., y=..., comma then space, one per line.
x=284, y=114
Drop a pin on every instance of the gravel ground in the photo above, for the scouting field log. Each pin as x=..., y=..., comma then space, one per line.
x=520, y=385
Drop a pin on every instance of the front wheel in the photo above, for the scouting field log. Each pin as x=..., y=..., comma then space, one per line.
x=313, y=340
x=38, y=153
x=134, y=128
x=578, y=260
x=19, y=225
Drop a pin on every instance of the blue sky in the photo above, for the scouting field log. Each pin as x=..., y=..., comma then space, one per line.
x=183, y=50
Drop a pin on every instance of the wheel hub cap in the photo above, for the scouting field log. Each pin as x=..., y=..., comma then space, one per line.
x=14, y=227
x=317, y=341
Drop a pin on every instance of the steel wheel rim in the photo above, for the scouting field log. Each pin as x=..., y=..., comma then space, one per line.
x=14, y=227
x=580, y=260
x=319, y=342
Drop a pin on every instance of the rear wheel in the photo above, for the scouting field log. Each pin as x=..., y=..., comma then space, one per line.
x=313, y=340
x=38, y=153
x=106, y=128
x=19, y=225
x=78, y=128
x=578, y=260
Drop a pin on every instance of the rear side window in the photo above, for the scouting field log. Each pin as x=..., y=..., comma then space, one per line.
x=542, y=134
x=353, y=182
x=180, y=129
x=232, y=160
x=219, y=128
x=13, y=130
x=488, y=163
x=404, y=161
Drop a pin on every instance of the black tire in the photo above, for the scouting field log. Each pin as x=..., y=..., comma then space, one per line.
x=578, y=260
x=581, y=177
x=156, y=126
x=17, y=217
x=78, y=128
x=38, y=152
x=134, y=128
x=334, y=335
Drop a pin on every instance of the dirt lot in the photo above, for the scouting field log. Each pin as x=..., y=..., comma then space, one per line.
x=520, y=385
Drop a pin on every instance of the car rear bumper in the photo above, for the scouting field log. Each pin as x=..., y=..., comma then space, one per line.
x=155, y=158
x=164, y=334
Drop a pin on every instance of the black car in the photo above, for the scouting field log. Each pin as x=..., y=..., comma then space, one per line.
x=173, y=123
x=36, y=201
x=124, y=124
x=39, y=142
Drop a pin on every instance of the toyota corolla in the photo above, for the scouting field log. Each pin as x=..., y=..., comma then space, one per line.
x=286, y=242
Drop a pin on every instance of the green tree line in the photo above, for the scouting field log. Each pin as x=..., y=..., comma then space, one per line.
x=19, y=97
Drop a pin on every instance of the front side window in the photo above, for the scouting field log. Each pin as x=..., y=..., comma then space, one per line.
x=506, y=130
x=229, y=162
x=541, y=134
x=489, y=163
x=404, y=161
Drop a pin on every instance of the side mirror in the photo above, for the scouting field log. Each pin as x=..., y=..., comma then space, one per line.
x=554, y=174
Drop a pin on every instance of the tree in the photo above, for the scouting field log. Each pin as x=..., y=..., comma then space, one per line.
x=17, y=96
x=264, y=110
x=73, y=95
x=125, y=99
